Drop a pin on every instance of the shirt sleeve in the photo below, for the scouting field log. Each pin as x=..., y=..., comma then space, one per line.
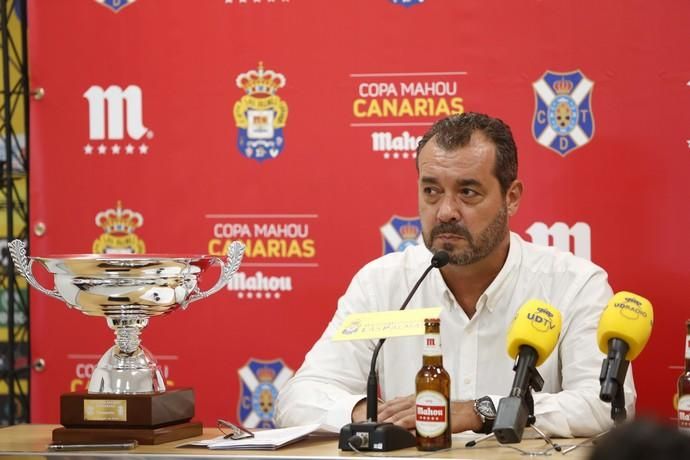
x=577, y=410
x=333, y=377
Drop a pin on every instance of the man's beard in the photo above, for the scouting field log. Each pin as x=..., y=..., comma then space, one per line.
x=485, y=243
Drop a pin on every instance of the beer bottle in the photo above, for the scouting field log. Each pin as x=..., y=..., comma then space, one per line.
x=432, y=393
x=684, y=388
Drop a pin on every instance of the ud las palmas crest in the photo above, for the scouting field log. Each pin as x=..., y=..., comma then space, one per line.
x=563, y=119
x=260, y=114
x=401, y=232
x=260, y=382
x=118, y=232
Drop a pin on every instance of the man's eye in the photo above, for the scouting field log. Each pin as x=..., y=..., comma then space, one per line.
x=429, y=191
x=468, y=193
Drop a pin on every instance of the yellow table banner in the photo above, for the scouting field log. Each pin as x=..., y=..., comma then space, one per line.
x=383, y=324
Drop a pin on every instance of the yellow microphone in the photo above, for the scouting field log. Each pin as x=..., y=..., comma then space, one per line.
x=624, y=329
x=532, y=336
x=628, y=317
x=536, y=324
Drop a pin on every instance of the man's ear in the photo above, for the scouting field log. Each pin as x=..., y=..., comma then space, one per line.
x=513, y=196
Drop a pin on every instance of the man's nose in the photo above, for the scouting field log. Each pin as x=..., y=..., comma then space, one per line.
x=448, y=210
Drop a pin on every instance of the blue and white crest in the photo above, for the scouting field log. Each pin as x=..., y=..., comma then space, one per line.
x=260, y=114
x=406, y=3
x=401, y=232
x=260, y=382
x=563, y=118
x=116, y=5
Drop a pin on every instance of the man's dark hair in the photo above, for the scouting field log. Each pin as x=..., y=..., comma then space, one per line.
x=456, y=130
x=642, y=439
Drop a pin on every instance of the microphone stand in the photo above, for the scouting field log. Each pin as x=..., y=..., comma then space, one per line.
x=618, y=412
x=531, y=418
x=372, y=435
x=612, y=389
x=520, y=402
x=612, y=377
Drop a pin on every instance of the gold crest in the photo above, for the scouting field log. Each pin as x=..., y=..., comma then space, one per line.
x=118, y=232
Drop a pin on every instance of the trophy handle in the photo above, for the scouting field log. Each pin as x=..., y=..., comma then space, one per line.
x=227, y=268
x=23, y=265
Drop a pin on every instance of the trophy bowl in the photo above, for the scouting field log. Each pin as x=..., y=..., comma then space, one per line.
x=127, y=289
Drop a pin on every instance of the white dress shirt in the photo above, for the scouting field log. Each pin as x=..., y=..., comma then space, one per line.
x=333, y=377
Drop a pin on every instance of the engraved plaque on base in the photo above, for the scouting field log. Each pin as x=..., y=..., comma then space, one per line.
x=139, y=410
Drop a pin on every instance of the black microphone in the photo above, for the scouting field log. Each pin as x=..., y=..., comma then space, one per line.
x=371, y=435
x=532, y=337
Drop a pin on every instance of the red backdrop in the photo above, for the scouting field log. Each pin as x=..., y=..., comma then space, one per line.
x=310, y=156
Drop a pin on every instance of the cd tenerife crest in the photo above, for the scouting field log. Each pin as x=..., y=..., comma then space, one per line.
x=400, y=232
x=115, y=5
x=406, y=3
x=260, y=381
x=563, y=119
x=260, y=114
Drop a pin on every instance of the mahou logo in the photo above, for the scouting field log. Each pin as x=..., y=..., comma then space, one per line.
x=116, y=121
x=576, y=239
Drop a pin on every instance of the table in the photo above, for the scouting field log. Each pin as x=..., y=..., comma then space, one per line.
x=31, y=441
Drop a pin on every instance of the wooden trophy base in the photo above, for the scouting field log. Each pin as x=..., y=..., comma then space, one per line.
x=141, y=435
x=150, y=418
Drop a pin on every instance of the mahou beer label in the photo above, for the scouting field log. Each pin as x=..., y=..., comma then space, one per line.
x=683, y=413
x=432, y=414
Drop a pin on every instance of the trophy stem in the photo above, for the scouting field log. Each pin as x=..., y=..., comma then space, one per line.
x=127, y=368
x=127, y=331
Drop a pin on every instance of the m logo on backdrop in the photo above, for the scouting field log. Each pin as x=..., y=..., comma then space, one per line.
x=115, y=5
x=561, y=236
x=110, y=104
x=260, y=382
x=563, y=119
x=401, y=232
x=118, y=232
x=260, y=115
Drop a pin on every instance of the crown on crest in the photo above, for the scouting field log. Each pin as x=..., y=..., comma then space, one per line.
x=265, y=374
x=260, y=81
x=119, y=220
x=409, y=232
x=563, y=86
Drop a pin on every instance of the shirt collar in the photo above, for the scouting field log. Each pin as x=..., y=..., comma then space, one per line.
x=508, y=274
x=490, y=298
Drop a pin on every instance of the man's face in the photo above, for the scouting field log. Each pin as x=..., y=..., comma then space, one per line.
x=461, y=205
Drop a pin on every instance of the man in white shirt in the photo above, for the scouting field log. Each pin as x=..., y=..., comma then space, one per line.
x=468, y=190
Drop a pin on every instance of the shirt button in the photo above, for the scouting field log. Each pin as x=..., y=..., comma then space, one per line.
x=467, y=381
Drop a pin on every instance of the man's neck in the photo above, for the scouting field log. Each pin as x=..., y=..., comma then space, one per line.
x=468, y=282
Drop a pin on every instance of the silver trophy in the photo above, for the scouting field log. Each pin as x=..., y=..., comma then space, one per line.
x=127, y=289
